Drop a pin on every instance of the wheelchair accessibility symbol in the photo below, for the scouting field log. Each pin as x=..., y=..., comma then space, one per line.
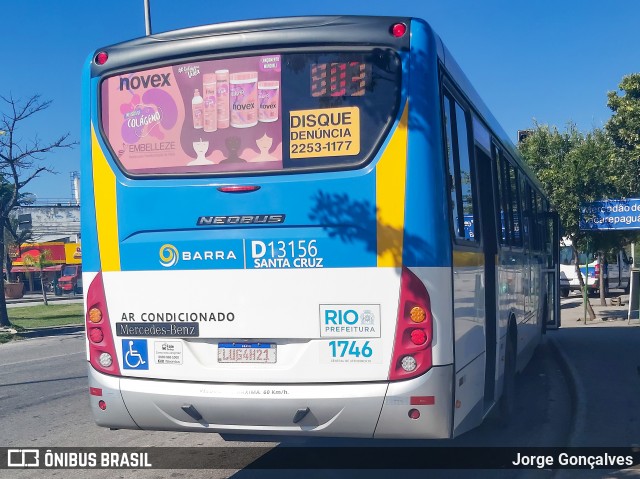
x=135, y=353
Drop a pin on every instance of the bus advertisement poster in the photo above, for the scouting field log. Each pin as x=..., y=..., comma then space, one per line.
x=198, y=117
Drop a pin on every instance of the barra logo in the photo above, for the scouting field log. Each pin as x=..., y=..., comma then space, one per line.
x=168, y=255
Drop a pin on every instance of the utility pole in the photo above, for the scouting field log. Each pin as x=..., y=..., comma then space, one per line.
x=147, y=17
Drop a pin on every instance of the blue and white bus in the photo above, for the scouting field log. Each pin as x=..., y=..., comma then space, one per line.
x=274, y=241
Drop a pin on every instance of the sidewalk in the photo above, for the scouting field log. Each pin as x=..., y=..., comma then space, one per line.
x=30, y=299
x=572, y=312
x=599, y=360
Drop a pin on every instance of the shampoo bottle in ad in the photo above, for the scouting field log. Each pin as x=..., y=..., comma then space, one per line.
x=210, y=110
x=197, y=105
x=222, y=79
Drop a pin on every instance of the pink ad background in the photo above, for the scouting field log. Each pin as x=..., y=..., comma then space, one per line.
x=166, y=143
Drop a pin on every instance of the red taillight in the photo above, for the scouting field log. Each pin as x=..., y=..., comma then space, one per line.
x=101, y=58
x=96, y=335
x=398, y=29
x=102, y=405
x=414, y=330
x=418, y=337
x=102, y=350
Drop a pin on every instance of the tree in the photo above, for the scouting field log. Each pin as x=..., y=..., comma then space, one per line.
x=624, y=130
x=40, y=262
x=20, y=162
x=574, y=168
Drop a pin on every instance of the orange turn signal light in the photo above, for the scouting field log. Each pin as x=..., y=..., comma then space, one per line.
x=417, y=314
x=95, y=315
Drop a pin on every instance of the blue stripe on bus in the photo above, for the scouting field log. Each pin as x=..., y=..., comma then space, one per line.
x=90, y=253
x=427, y=239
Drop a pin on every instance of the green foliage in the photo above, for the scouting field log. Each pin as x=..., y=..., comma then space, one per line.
x=45, y=316
x=624, y=130
x=573, y=167
x=40, y=262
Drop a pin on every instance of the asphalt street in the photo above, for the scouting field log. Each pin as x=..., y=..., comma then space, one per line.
x=581, y=388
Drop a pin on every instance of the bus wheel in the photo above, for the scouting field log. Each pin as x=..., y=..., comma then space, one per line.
x=564, y=292
x=507, y=403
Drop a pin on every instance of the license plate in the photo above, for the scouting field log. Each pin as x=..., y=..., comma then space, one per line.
x=246, y=353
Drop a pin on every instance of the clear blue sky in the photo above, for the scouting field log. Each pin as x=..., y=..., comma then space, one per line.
x=552, y=60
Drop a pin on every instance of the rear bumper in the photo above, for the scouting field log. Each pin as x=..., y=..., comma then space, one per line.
x=379, y=410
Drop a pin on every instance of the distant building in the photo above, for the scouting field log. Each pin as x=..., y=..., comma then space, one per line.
x=54, y=221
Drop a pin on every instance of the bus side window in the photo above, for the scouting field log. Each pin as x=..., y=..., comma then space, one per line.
x=540, y=223
x=514, y=211
x=466, y=180
x=459, y=167
x=525, y=208
x=505, y=201
x=501, y=208
x=452, y=167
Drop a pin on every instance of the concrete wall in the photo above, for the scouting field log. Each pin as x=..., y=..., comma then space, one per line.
x=51, y=223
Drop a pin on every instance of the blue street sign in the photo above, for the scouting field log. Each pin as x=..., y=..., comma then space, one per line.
x=611, y=215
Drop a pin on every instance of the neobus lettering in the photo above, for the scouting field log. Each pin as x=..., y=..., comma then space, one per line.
x=136, y=82
x=244, y=219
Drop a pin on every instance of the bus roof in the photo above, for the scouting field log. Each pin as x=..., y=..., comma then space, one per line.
x=335, y=30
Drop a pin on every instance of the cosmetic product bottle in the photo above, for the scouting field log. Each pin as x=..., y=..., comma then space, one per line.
x=210, y=109
x=222, y=80
x=196, y=109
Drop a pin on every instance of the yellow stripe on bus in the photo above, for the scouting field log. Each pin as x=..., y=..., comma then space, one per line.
x=104, y=188
x=390, y=188
x=466, y=258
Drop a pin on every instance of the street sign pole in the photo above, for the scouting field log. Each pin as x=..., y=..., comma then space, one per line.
x=584, y=290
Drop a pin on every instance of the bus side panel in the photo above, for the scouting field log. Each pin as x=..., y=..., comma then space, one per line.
x=426, y=238
x=90, y=261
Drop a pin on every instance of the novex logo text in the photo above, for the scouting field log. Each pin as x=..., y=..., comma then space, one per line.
x=144, y=81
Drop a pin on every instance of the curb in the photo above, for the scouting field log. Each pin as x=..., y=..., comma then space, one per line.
x=38, y=299
x=576, y=391
x=52, y=331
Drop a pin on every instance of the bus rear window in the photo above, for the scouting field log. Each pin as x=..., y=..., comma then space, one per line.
x=266, y=113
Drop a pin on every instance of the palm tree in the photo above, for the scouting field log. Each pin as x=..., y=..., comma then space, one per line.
x=41, y=261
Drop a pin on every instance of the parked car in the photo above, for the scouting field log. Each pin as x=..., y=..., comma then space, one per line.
x=617, y=270
x=71, y=279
